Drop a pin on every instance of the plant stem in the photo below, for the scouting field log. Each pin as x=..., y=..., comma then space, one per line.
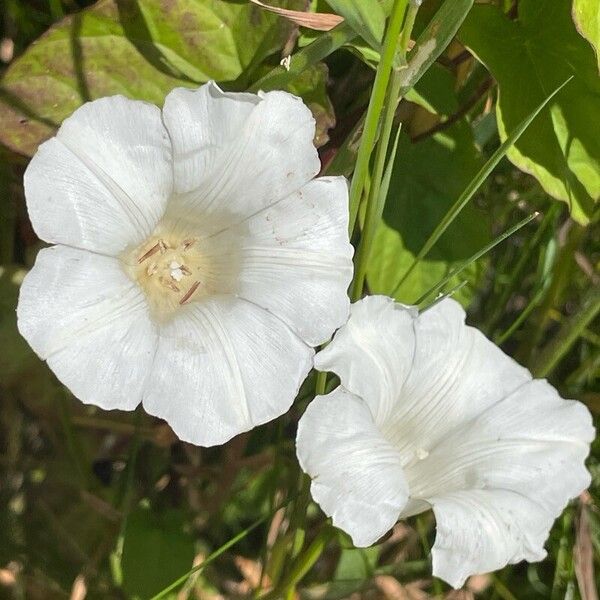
x=564, y=560
x=302, y=565
x=376, y=200
x=378, y=96
x=568, y=334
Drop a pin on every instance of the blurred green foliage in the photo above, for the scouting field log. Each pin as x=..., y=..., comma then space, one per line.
x=112, y=505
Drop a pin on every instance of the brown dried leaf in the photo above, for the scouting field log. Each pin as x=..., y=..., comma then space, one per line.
x=318, y=21
x=584, y=558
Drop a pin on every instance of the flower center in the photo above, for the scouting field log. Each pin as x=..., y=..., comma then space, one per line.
x=169, y=268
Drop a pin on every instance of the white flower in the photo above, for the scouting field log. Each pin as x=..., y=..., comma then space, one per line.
x=432, y=414
x=197, y=262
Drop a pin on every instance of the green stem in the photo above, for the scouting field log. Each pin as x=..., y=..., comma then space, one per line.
x=378, y=96
x=211, y=557
x=564, y=561
x=515, y=275
x=568, y=334
x=376, y=200
x=302, y=565
x=74, y=447
x=457, y=270
x=123, y=501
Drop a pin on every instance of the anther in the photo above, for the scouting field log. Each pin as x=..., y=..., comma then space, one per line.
x=188, y=243
x=169, y=284
x=189, y=293
x=185, y=270
x=162, y=246
x=150, y=252
x=152, y=268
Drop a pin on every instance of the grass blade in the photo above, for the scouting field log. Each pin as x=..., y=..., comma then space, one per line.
x=438, y=286
x=211, y=557
x=322, y=47
x=475, y=184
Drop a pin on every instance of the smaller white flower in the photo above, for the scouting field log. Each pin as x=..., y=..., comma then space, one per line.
x=196, y=261
x=431, y=414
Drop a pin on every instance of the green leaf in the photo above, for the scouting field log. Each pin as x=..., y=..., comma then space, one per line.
x=435, y=91
x=156, y=550
x=139, y=48
x=365, y=17
x=586, y=14
x=427, y=179
x=530, y=57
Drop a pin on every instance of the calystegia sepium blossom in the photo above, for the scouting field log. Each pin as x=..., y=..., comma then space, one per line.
x=431, y=414
x=197, y=261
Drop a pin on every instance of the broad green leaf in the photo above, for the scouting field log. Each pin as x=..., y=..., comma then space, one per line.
x=428, y=177
x=435, y=91
x=366, y=17
x=586, y=14
x=156, y=550
x=139, y=48
x=539, y=51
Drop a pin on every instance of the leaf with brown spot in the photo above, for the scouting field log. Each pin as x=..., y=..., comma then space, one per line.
x=139, y=49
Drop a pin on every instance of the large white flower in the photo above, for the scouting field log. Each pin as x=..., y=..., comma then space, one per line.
x=432, y=414
x=197, y=262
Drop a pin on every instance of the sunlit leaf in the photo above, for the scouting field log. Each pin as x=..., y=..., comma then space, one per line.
x=141, y=49
x=539, y=51
x=428, y=177
x=366, y=17
x=586, y=14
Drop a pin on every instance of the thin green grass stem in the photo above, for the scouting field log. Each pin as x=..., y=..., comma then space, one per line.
x=457, y=270
x=379, y=180
x=376, y=102
x=524, y=257
x=569, y=333
x=474, y=185
x=221, y=550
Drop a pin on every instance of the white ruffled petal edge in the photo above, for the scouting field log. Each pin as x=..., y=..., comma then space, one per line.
x=222, y=367
x=357, y=478
x=102, y=183
x=236, y=154
x=82, y=314
x=496, y=454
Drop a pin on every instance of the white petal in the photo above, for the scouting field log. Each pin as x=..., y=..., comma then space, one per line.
x=530, y=449
x=533, y=443
x=435, y=372
x=356, y=475
x=481, y=531
x=236, y=154
x=103, y=182
x=82, y=314
x=295, y=258
x=223, y=366
x=372, y=354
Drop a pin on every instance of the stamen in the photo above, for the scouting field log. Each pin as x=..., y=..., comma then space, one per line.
x=169, y=284
x=162, y=246
x=150, y=252
x=184, y=270
x=152, y=268
x=188, y=243
x=189, y=293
